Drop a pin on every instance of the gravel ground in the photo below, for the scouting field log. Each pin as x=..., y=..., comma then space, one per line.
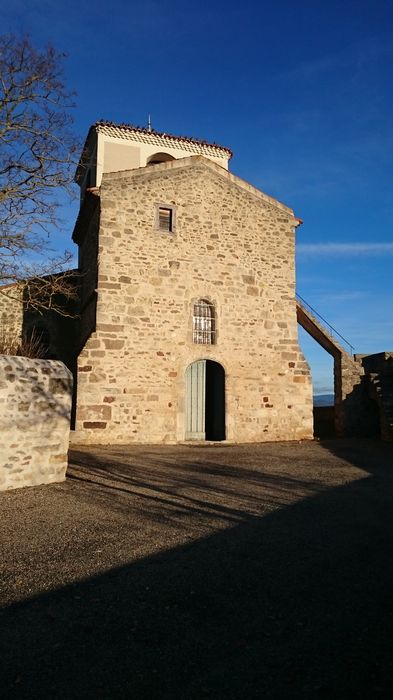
x=204, y=571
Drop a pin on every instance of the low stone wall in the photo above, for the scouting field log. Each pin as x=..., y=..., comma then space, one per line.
x=35, y=406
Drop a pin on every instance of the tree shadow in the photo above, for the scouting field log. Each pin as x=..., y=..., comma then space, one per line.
x=291, y=602
x=174, y=486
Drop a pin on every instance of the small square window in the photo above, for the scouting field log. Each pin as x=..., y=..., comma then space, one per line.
x=165, y=218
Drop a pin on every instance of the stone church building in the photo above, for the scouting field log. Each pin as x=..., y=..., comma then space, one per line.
x=187, y=326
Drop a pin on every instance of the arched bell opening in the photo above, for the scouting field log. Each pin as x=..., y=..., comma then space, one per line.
x=159, y=158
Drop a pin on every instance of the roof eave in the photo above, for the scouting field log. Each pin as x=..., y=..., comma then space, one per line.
x=172, y=137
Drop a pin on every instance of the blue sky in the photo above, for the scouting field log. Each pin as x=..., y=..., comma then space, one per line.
x=300, y=91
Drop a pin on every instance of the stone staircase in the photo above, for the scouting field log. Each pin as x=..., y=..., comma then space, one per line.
x=349, y=418
x=319, y=329
x=363, y=384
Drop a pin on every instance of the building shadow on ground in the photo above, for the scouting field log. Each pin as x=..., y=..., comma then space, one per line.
x=296, y=603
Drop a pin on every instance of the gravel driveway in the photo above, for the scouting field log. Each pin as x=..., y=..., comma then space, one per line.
x=204, y=571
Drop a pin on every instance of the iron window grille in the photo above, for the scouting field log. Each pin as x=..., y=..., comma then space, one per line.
x=203, y=323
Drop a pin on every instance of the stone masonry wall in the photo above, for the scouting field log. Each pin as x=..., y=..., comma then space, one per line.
x=351, y=411
x=35, y=404
x=11, y=315
x=233, y=246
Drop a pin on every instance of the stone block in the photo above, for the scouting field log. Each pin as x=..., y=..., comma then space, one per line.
x=34, y=422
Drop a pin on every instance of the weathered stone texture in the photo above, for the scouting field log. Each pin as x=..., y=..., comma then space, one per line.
x=35, y=405
x=11, y=315
x=233, y=246
x=350, y=396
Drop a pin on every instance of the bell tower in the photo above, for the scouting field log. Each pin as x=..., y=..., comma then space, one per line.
x=111, y=148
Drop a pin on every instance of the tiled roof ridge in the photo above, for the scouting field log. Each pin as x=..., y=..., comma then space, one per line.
x=163, y=134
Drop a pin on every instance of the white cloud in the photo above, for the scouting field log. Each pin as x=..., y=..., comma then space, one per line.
x=350, y=249
x=357, y=55
x=342, y=296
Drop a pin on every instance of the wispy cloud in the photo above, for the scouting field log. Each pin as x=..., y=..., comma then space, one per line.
x=315, y=66
x=356, y=55
x=343, y=296
x=320, y=388
x=348, y=249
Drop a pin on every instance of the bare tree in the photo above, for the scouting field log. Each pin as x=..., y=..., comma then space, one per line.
x=37, y=159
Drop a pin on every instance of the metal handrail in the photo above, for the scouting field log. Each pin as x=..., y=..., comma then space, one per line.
x=332, y=331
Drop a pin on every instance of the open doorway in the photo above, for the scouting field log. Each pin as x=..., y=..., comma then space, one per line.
x=205, y=401
x=321, y=365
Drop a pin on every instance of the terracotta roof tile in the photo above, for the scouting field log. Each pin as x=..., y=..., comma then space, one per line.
x=121, y=129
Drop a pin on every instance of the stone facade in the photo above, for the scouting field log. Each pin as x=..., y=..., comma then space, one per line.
x=11, y=316
x=35, y=405
x=230, y=245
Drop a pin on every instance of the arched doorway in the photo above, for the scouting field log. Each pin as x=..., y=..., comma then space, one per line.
x=205, y=401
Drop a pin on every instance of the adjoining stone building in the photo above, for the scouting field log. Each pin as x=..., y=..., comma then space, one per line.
x=188, y=325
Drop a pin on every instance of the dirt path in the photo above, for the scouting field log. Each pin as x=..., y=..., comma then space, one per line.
x=260, y=571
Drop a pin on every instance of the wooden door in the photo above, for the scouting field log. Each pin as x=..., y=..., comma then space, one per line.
x=195, y=400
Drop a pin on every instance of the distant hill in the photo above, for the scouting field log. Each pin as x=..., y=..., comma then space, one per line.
x=324, y=400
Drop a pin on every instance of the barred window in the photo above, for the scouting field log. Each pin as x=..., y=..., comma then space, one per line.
x=204, y=323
